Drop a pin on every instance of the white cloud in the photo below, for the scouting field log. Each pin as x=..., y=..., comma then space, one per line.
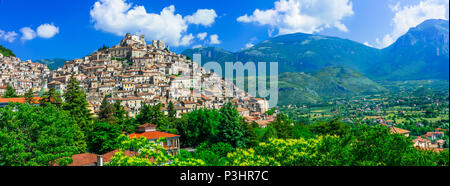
x=205, y=17
x=410, y=16
x=187, y=40
x=119, y=17
x=197, y=46
x=8, y=36
x=47, y=31
x=307, y=16
x=214, y=39
x=27, y=34
x=249, y=45
x=202, y=36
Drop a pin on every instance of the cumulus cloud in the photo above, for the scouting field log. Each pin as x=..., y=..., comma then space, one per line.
x=47, y=31
x=202, y=36
x=410, y=16
x=214, y=39
x=187, y=40
x=8, y=36
x=119, y=17
x=205, y=17
x=307, y=16
x=27, y=34
x=249, y=45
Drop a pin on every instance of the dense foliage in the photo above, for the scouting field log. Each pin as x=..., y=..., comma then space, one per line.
x=199, y=126
x=149, y=154
x=104, y=138
x=38, y=136
x=361, y=148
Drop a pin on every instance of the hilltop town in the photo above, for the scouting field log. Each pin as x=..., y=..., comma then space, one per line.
x=22, y=75
x=136, y=73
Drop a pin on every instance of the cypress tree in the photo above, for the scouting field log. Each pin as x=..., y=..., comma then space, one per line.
x=171, y=111
x=107, y=111
x=77, y=105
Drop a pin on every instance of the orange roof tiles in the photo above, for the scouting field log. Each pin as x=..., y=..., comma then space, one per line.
x=18, y=100
x=85, y=159
x=108, y=156
x=153, y=135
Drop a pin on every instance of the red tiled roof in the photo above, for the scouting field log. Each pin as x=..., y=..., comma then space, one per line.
x=108, y=156
x=85, y=159
x=18, y=100
x=153, y=135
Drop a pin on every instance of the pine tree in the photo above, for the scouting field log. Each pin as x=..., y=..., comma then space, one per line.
x=77, y=105
x=29, y=97
x=171, y=111
x=10, y=92
x=107, y=111
x=120, y=112
x=231, y=129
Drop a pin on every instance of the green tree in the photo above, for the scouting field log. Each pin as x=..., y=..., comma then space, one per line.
x=154, y=115
x=198, y=126
x=333, y=127
x=10, y=92
x=231, y=129
x=283, y=126
x=104, y=138
x=38, y=136
x=250, y=133
x=107, y=111
x=270, y=132
x=124, y=122
x=29, y=97
x=171, y=111
x=77, y=105
x=6, y=52
x=104, y=47
x=51, y=97
x=213, y=154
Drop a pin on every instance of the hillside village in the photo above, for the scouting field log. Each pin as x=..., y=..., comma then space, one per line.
x=22, y=75
x=136, y=73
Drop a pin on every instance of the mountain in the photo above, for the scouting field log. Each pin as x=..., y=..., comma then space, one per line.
x=6, y=52
x=305, y=88
x=422, y=53
x=211, y=54
x=52, y=63
x=298, y=53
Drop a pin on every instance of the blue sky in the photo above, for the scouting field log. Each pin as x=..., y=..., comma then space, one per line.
x=72, y=28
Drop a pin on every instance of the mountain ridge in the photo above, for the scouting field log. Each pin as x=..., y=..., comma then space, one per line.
x=301, y=52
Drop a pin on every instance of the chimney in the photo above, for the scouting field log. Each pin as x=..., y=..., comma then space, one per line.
x=99, y=160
